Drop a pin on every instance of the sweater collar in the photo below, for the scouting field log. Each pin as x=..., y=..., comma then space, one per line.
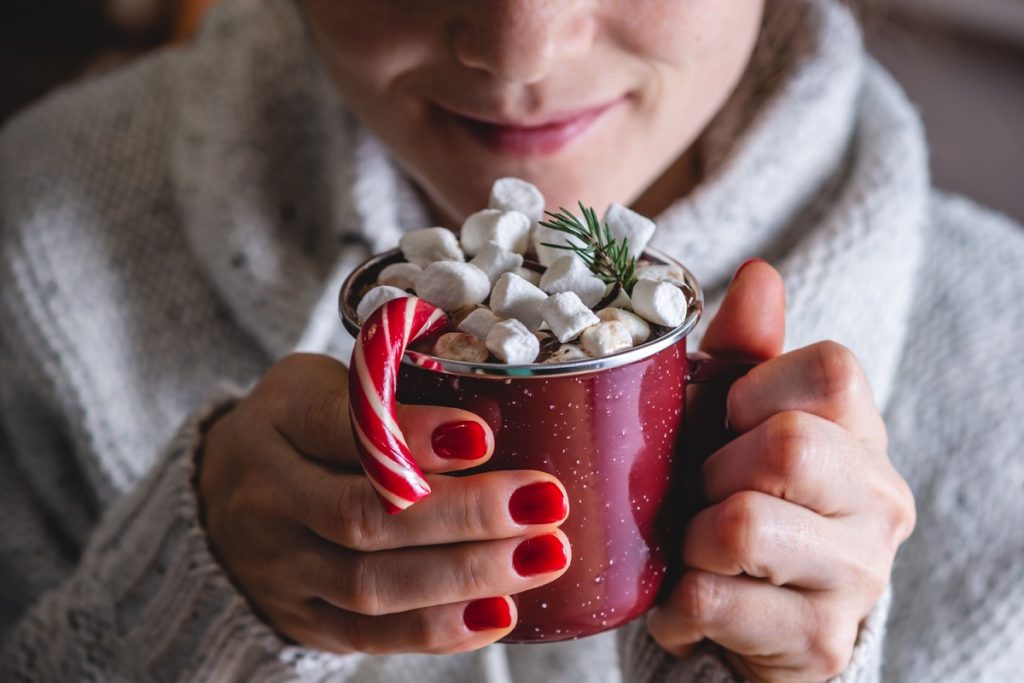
x=817, y=163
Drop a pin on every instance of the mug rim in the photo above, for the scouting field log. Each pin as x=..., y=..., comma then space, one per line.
x=503, y=371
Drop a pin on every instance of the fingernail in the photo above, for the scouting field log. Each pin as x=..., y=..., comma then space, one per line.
x=540, y=555
x=460, y=440
x=745, y=264
x=487, y=614
x=540, y=503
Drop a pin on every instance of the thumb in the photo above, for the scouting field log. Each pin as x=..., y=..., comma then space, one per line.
x=752, y=318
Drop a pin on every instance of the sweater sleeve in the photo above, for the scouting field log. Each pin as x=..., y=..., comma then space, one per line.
x=644, y=661
x=147, y=600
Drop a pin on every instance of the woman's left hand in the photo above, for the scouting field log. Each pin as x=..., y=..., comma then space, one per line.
x=806, y=510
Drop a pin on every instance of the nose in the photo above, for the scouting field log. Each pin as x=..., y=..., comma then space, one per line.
x=519, y=41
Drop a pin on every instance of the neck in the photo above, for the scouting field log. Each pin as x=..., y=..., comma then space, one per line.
x=677, y=181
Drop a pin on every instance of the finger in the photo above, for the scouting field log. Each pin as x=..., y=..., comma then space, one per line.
x=308, y=394
x=445, y=629
x=824, y=379
x=344, y=508
x=770, y=633
x=794, y=456
x=744, y=615
x=445, y=439
x=765, y=537
x=400, y=580
x=751, y=321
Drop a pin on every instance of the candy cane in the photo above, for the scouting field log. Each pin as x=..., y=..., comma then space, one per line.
x=371, y=385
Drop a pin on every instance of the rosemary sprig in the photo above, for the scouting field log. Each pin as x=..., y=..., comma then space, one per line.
x=606, y=258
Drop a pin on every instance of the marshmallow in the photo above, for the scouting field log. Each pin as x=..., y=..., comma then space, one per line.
x=638, y=328
x=425, y=246
x=513, y=343
x=495, y=260
x=513, y=194
x=514, y=297
x=377, y=297
x=510, y=229
x=530, y=275
x=547, y=255
x=567, y=353
x=479, y=323
x=401, y=275
x=661, y=273
x=459, y=346
x=567, y=315
x=453, y=284
x=606, y=338
x=659, y=302
x=459, y=314
x=626, y=223
x=569, y=274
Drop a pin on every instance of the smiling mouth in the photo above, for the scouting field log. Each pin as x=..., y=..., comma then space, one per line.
x=547, y=137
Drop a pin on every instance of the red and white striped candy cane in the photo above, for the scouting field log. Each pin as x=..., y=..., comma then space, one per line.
x=372, y=378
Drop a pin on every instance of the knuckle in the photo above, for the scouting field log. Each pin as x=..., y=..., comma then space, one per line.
x=908, y=511
x=277, y=377
x=362, y=592
x=877, y=581
x=251, y=498
x=737, y=398
x=838, y=373
x=361, y=524
x=737, y=526
x=428, y=636
x=789, y=445
x=832, y=644
x=698, y=597
x=896, y=507
x=463, y=514
x=870, y=579
x=472, y=576
x=357, y=636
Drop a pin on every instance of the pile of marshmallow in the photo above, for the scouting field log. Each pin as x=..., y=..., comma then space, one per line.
x=549, y=308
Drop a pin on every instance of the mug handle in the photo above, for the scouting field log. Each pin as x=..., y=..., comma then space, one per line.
x=703, y=368
x=707, y=423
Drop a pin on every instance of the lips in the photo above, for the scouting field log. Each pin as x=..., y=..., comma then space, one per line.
x=545, y=136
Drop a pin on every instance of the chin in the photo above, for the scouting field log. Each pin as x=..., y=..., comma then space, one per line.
x=460, y=186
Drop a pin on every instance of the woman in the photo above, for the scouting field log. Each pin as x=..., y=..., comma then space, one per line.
x=185, y=223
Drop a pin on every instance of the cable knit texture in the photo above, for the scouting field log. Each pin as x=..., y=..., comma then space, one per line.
x=171, y=229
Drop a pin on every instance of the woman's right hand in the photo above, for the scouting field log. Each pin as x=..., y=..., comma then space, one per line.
x=298, y=526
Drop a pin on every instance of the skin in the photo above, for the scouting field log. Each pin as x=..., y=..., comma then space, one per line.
x=805, y=511
x=402, y=65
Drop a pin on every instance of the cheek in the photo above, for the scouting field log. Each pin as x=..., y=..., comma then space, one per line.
x=683, y=32
x=695, y=51
x=367, y=46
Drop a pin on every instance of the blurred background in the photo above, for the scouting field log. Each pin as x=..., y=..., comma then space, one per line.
x=962, y=61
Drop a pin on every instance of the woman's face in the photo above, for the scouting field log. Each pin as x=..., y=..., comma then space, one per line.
x=588, y=99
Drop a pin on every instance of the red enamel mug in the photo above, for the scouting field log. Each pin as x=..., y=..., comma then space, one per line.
x=610, y=429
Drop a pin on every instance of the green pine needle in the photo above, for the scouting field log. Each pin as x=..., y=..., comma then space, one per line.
x=595, y=245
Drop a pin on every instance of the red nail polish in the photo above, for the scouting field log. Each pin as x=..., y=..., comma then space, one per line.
x=745, y=264
x=539, y=555
x=540, y=503
x=460, y=440
x=487, y=614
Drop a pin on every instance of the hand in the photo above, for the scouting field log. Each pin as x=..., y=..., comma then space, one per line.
x=301, y=531
x=806, y=511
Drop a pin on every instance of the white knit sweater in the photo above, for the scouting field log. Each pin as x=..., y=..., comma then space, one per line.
x=178, y=225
